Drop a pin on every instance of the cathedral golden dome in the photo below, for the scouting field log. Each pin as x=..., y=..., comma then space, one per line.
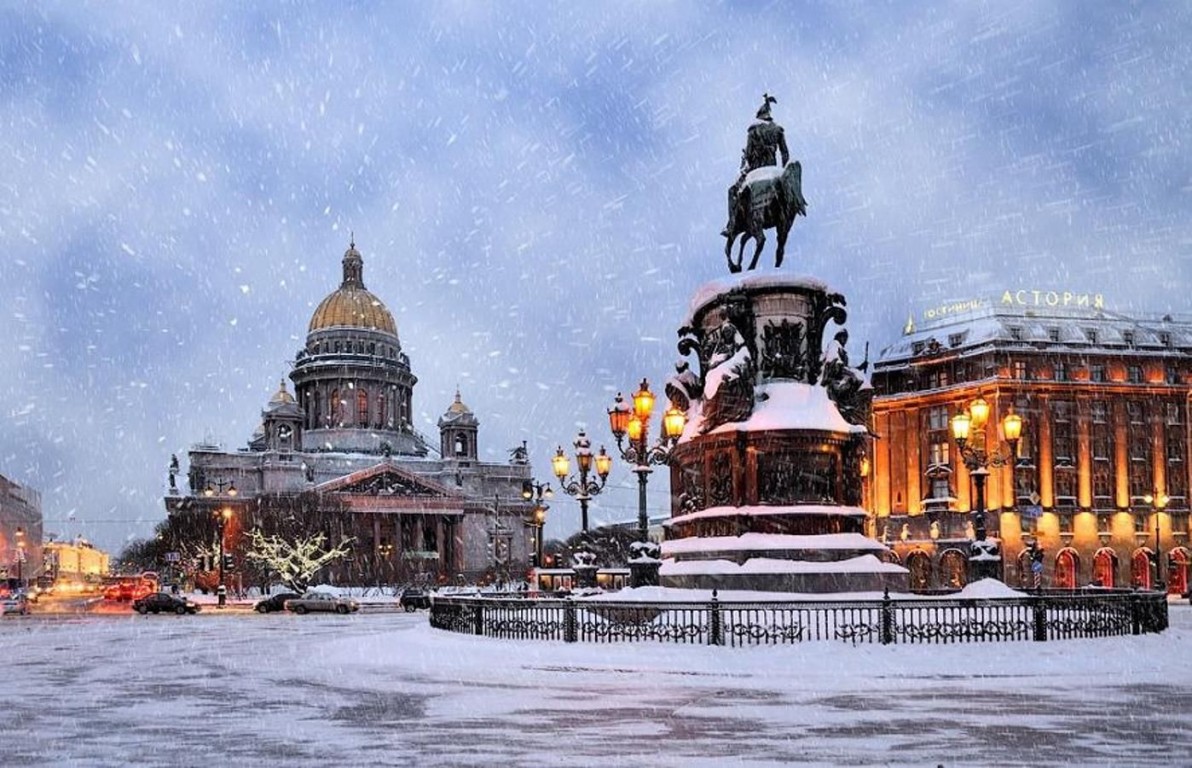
x=351, y=305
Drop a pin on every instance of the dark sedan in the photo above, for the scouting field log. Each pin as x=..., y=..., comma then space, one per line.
x=413, y=598
x=160, y=602
x=275, y=602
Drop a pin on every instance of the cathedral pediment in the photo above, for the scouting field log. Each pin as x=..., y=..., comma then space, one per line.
x=386, y=479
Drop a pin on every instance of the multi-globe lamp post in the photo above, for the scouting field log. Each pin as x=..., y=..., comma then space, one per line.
x=583, y=487
x=634, y=422
x=537, y=493
x=222, y=516
x=968, y=429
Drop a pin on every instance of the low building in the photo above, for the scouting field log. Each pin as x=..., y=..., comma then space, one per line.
x=1100, y=476
x=74, y=561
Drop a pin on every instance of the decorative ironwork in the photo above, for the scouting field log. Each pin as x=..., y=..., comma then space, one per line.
x=1055, y=616
x=783, y=353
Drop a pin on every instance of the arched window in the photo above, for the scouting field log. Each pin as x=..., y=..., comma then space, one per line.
x=336, y=408
x=362, y=407
x=1067, y=568
x=1105, y=565
x=919, y=565
x=461, y=445
x=284, y=437
x=1177, y=571
x=953, y=569
x=1026, y=579
x=1140, y=568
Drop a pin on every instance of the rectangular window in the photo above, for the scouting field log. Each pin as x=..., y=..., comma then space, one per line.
x=1065, y=523
x=1059, y=371
x=1020, y=370
x=1063, y=433
x=1091, y=334
x=1165, y=338
x=1140, y=525
x=1128, y=337
x=1016, y=333
x=1172, y=375
x=1134, y=374
x=1104, y=524
x=1097, y=373
x=1053, y=334
x=937, y=417
x=1173, y=414
x=1179, y=522
x=940, y=454
x=956, y=339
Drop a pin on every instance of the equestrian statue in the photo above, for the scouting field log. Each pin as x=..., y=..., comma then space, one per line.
x=767, y=194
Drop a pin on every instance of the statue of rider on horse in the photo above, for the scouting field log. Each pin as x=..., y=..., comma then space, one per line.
x=767, y=193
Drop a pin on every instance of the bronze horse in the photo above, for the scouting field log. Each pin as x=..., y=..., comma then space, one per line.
x=762, y=204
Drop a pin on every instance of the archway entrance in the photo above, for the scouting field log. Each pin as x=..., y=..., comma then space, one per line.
x=1105, y=565
x=1177, y=571
x=1067, y=568
x=919, y=565
x=953, y=569
x=1140, y=568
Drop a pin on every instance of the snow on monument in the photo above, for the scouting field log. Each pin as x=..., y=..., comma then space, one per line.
x=766, y=477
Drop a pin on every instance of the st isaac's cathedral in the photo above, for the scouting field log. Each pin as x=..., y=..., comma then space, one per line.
x=339, y=456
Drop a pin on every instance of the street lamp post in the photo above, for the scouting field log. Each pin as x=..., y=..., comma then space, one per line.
x=968, y=428
x=20, y=558
x=582, y=488
x=1158, y=501
x=634, y=422
x=538, y=493
x=222, y=516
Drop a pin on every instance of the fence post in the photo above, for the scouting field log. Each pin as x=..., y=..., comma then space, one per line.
x=478, y=618
x=887, y=618
x=1039, y=616
x=716, y=631
x=1135, y=613
x=569, y=621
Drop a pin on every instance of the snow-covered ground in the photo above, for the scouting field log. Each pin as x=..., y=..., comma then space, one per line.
x=385, y=689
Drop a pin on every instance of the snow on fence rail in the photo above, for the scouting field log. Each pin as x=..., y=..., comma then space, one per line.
x=1037, y=617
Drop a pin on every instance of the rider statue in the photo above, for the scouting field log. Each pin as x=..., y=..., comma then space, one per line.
x=765, y=142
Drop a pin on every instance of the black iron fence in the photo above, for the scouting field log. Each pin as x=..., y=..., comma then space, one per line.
x=1039, y=617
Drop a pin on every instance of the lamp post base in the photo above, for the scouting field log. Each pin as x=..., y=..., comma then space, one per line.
x=644, y=572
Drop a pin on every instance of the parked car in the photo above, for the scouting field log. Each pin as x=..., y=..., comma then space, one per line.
x=15, y=603
x=275, y=602
x=163, y=601
x=413, y=598
x=321, y=601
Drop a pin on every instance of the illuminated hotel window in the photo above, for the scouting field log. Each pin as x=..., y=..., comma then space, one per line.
x=1020, y=370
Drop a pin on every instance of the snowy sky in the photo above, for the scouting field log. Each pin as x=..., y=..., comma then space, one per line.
x=536, y=191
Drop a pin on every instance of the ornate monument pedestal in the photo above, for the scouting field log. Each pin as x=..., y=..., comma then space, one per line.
x=766, y=478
